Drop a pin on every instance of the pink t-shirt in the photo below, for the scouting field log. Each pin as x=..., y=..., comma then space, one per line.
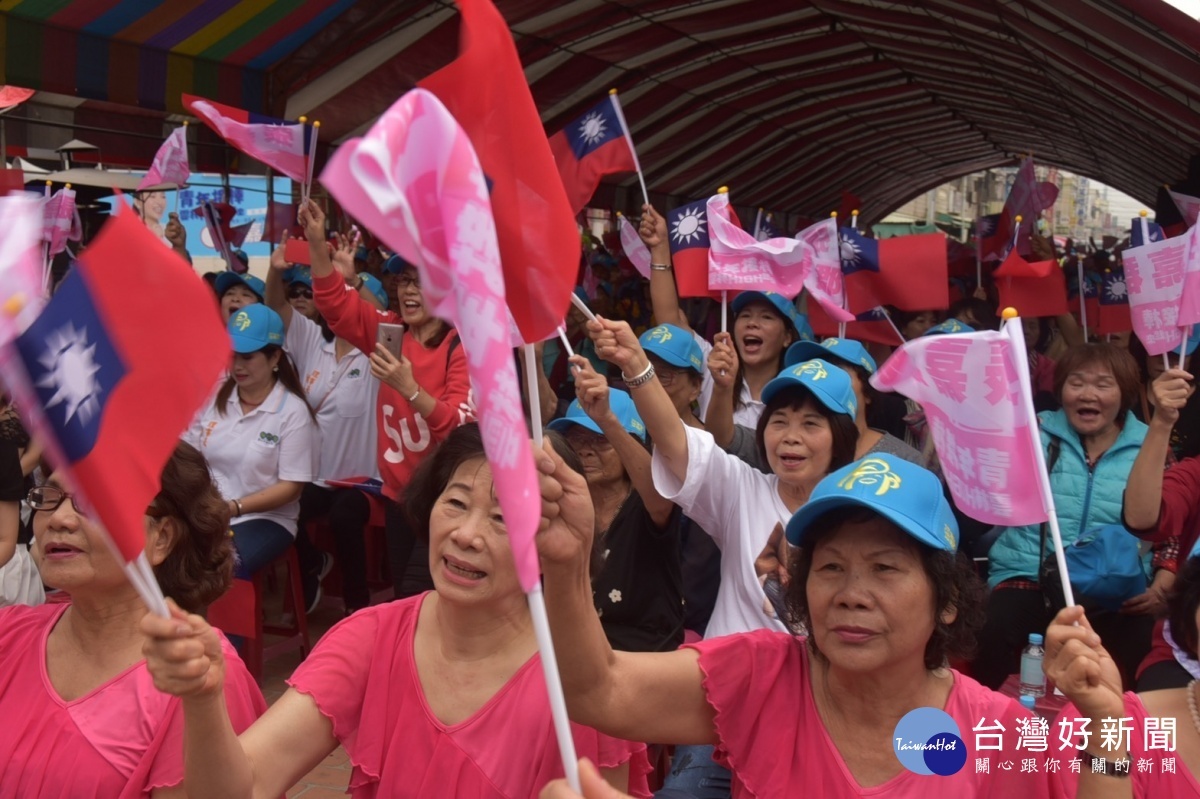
x=122, y=740
x=1146, y=765
x=363, y=677
x=772, y=737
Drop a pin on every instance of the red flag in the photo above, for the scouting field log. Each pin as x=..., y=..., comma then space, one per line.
x=1035, y=296
x=912, y=276
x=111, y=378
x=870, y=325
x=850, y=203
x=11, y=180
x=485, y=90
x=1016, y=266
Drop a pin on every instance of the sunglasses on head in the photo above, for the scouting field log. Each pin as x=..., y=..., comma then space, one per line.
x=299, y=290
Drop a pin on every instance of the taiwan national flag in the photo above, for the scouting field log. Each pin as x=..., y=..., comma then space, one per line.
x=1135, y=232
x=1091, y=299
x=687, y=228
x=1114, y=312
x=858, y=252
x=110, y=378
x=872, y=325
x=913, y=276
x=765, y=227
x=284, y=146
x=590, y=147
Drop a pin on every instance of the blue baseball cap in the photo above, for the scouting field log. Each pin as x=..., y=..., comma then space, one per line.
x=674, y=345
x=298, y=275
x=904, y=493
x=843, y=349
x=255, y=327
x=949, y=326
x=622, y=407
x=395, y=265
x=227, y=280
x=828, y=383
x=372, y=284
x=786, y=308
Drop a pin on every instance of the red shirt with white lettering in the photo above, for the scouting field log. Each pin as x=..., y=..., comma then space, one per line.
x=405, y=436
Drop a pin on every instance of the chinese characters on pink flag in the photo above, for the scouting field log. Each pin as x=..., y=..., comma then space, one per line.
x=635, y=249
x=969, y=387
x=170, y=162
x=1189, y=303
x=825, y=280
x=60, y=221
x=739, y=262
x=1154, y=276
x=415, y=181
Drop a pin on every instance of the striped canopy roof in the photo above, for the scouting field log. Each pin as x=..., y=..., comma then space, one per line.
x=789, y=102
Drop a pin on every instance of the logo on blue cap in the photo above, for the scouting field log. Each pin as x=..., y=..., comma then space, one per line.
x=872, y=471
x=814, y=369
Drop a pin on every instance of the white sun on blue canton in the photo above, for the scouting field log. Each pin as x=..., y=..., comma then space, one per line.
x=850, y=250
x=1116, y=290
x=70, y=363
x=689, y=226
x=592, y=128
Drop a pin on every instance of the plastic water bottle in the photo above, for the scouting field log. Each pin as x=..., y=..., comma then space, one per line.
x=1029, y=703
x=1033, y=681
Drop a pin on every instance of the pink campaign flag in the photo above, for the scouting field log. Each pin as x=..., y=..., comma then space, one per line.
x=970, y=388
x=416, y=182
x=21, y=265
x=1154, y=276
x=1189, y=303
x=739, y=262
x=170, y=162
x=635, y=249
x=281, y=145
x=60, y=220
x=1189, y=206
x=826, y=281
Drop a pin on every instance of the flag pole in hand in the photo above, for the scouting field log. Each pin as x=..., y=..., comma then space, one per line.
x=1012, y=329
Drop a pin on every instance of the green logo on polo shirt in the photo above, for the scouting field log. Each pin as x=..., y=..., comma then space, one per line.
x=268, y=438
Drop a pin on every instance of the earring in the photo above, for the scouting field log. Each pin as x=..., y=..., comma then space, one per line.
x=274, y=368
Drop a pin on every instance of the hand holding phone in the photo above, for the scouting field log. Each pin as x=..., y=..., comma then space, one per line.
x=389, y=336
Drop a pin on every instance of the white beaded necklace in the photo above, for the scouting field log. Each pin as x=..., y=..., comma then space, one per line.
x=1191, y=692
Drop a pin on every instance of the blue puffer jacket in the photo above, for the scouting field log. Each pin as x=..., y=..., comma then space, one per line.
x=1085, y=498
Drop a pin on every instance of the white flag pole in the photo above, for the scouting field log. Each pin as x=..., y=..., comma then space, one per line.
x=888, y=317
x=1012, y=329
x=758, y=223
x=612, y=93
x=1183, y=346
x=1145, y=227
x=537, y=610
x=1082, y=297
x=582, y=306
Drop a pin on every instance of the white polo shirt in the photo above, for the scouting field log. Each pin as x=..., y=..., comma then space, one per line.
x=275, y=441
x=751, y=409
x=343, y=393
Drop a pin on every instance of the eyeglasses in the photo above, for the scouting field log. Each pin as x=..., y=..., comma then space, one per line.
x=51, y=497
x=667, y=374
x=406, y=279
x=300, y=291
x=597, y=444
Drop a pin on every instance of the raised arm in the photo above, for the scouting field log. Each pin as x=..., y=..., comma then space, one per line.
x=1144, y=489
x=636, y=696
x=616, y=343
x=276, y=296
x=664, y=296
x=592, y=390
x=185, y=659
x=723, y=368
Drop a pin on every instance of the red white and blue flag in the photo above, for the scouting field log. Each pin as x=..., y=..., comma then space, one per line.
x=592, y=146
x=170, y=164
x=284, y=146
x=913, y=276
x=825, y=282
x=687, y=229
x=858, y=252
x=1153, y=230
x=873, y=325
x=765, y=227
x=1113, y=311
x=101, y=377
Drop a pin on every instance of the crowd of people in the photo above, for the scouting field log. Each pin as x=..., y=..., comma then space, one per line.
x=753, y=566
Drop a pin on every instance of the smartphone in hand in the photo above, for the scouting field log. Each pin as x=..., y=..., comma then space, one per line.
x=389, y=336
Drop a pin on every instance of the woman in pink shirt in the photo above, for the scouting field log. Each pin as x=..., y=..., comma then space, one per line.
x=79, y=716
x=875, y=578
x=437, y=695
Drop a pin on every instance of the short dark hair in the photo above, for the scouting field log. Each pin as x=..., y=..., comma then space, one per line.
x=1117, y=360
x=286, y=374
x=955, y=585
x=845, y=431
x=982, y=311
x=1182, y=607
x=433, y=475
x=199, y=567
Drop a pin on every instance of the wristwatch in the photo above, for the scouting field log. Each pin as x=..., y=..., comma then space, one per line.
x=358, y=282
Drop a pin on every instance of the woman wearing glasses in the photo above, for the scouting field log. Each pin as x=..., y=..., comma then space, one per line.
x=81, y=716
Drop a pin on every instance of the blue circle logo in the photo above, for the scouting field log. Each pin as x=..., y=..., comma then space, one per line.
x=927, y=741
